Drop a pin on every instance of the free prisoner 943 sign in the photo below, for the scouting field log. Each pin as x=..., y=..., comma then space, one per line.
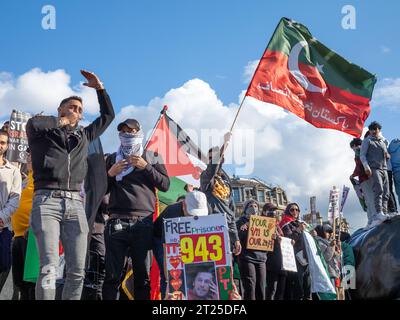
x=261, y=230
x=18, y=140
x=197, y=258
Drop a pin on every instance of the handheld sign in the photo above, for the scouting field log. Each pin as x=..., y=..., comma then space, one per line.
x=261, y=230
x=18, y=140
x=197, y=258
x=288, y=259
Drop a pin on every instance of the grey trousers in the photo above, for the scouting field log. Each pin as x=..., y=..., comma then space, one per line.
x=366, y=187
x=53, y=219
x=380, y=187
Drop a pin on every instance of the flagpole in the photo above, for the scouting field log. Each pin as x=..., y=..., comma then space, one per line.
x=157, y=208
x=244, y=98
x=237, y=113
x=162, y=112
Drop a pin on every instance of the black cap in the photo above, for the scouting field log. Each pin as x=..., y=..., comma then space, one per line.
x=131, y=123
x=327, y=228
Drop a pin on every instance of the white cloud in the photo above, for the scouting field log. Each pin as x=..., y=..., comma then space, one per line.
x=249, y=70
x=39, y=91
x=387, y=93
x=304, y=160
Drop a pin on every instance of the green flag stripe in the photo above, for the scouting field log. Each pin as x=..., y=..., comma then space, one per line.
x=176, y=189
x=337, y=71
x=324, y=295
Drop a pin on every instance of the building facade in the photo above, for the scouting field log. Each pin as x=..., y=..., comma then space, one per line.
x=309, y=218
x=256, y=189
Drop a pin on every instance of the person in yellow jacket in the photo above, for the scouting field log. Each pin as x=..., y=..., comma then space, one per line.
x=20, y=226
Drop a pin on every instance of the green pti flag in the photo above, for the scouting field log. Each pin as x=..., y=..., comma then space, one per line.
x=300, y=74
x=182, y=158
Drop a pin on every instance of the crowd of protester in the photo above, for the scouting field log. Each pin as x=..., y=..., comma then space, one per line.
x=45, y=197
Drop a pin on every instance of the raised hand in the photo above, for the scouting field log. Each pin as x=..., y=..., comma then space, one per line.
x=227, y=137
x=92, y=80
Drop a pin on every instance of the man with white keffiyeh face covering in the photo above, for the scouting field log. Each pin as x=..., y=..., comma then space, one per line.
x=134, y=176
x=131, y=137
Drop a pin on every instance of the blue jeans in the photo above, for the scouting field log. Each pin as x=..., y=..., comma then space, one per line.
x=158, y=251
x=54, y=218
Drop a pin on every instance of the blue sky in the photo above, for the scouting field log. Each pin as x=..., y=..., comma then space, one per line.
x=143, y=49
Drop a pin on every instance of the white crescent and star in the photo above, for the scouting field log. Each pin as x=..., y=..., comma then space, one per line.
x=294, y=68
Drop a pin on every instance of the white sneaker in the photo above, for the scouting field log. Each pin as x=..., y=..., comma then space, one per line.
x=381, y=216
x=392, y=214
x=375, y=223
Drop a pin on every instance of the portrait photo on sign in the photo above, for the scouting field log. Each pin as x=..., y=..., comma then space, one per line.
x=201, y=281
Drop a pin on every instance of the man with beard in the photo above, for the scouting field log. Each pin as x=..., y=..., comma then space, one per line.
x=203, y=287
x=10, y=194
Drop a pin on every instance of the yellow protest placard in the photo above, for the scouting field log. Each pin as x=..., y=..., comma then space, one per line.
x=261, y=230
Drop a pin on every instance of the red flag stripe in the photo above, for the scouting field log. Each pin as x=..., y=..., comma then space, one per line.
x=342, y=110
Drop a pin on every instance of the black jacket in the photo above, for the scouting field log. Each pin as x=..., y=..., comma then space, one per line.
x=274, y=259
x=290, y=230
x=174, y=210
x=54, y=165
x=136, y=192
x=255, y=256
x=226, y=207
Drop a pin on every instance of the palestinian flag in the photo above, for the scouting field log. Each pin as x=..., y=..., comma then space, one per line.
x=32, y=261
x=303, y=76
x=95, y=189
x=320, y=281
x=182, y=158
x=184, y=163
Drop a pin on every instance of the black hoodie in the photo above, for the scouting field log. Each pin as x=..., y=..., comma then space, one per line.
x=136, y=192
x=59, y=154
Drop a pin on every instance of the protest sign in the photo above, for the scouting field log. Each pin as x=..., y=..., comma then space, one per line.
x=288, y=259
x=17, y=138
x=197, y=250
x=333, y=209
x=261, y=230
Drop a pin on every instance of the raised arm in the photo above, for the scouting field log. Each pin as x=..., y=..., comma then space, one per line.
x=107, y=115
x=207, y=176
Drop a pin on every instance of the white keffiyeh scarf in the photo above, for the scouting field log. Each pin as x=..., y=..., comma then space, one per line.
x=131, y=145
